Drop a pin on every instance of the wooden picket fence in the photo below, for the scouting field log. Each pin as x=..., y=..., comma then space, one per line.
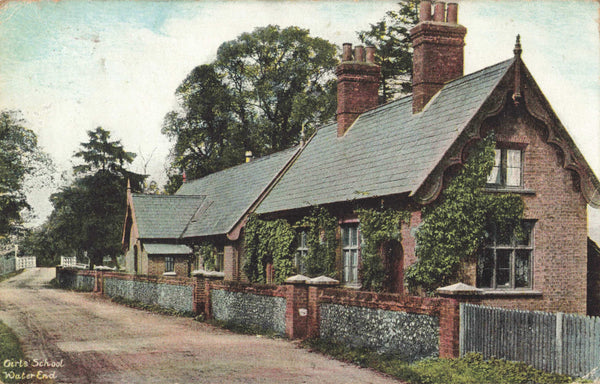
x=553, y=342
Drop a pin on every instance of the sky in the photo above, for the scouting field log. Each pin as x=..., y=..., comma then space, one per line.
x=70, y=66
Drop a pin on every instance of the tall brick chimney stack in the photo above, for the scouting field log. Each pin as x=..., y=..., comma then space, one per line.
x=357, y=85
x=438, y=50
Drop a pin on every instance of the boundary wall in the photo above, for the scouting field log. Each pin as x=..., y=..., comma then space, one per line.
x=412, y=327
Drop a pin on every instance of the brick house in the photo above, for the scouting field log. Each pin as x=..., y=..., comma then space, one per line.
x=401, y=154
x=162, y=233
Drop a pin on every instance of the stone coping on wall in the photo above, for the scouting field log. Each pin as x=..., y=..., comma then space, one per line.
x=257, y=289
x=208, y=274
x=385, y=301
x=173, y=280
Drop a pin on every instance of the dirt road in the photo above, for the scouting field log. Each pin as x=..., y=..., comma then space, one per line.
x=83, y=338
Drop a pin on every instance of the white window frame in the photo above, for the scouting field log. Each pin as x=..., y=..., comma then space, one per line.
x=350, y=253
x=500, y=174
x=170, y=262
x=301, y=252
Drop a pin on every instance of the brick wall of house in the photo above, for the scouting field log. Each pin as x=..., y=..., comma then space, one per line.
x=560, y=232
x=156, y=265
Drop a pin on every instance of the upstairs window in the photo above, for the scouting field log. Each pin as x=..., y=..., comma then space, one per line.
x=508, y=169
x=301, y=253
x=351, y=240
x=506, y=259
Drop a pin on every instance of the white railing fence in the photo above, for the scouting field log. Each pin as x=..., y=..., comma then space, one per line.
x=25, y=262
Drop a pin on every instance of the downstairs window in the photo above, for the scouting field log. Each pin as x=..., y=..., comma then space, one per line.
x=506, y=259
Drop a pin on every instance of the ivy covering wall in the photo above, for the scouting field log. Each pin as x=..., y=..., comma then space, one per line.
x=320, y=227
x=208, y=253
x=453, y=228
x=379, y=229
x=268, y=242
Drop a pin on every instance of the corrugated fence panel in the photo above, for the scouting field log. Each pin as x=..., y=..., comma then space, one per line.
x=553, y=342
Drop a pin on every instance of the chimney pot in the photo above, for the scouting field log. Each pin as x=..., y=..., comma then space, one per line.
x=425, y=11
x=452, y=13
x=359, y=53
x=248, y=156
x=439, y=12
x=371, y=55
x=347, y=52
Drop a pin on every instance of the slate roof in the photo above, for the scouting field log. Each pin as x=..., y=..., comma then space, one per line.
x=162, y=216
x=167, y=249
x=388, y=150
x=231, y=192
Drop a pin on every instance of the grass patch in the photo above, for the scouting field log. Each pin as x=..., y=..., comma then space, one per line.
x=10, y=354
x=470, y=369
x=150, y=307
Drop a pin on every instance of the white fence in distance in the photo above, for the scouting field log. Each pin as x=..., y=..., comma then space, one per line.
x=71, y=262
x=25, y=262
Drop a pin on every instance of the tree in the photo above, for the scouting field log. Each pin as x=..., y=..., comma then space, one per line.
x=88, y=213
x=391, y=38
x=261, y=92
x=20, y=158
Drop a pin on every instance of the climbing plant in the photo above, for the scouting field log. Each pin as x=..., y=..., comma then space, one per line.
x=208, y=253
x=454, y=228
x=268, y=241
x=379, y=228
x=320, y=227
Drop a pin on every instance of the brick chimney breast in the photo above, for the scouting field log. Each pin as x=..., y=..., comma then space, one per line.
x=438, y=50
x=357, y=85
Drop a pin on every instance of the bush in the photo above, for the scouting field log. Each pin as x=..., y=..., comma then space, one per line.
x=470, y=369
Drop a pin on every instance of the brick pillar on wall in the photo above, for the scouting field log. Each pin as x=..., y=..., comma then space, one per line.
x=199, y=295
x=207, y=306
x=453, y=295
x=314, y=313
x=449, y=329
x=296, y=309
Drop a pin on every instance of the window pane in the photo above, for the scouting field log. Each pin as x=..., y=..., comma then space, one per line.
x=485, y=269
x=503, y=258
x=503, y=278
x=353, y=236
x=513, y=177
x=513, y=167
x=346, y=265
x=522, y=269
x=345, y=236
x=494, y=177
x=525, y=238
x=513, y=158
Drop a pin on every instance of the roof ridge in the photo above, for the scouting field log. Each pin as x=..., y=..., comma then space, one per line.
x=167, y=196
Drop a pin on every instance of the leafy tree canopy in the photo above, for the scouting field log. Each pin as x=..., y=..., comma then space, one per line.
x=20, y=158
x=258, y=95
x=391, y=38
x=88, y=213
